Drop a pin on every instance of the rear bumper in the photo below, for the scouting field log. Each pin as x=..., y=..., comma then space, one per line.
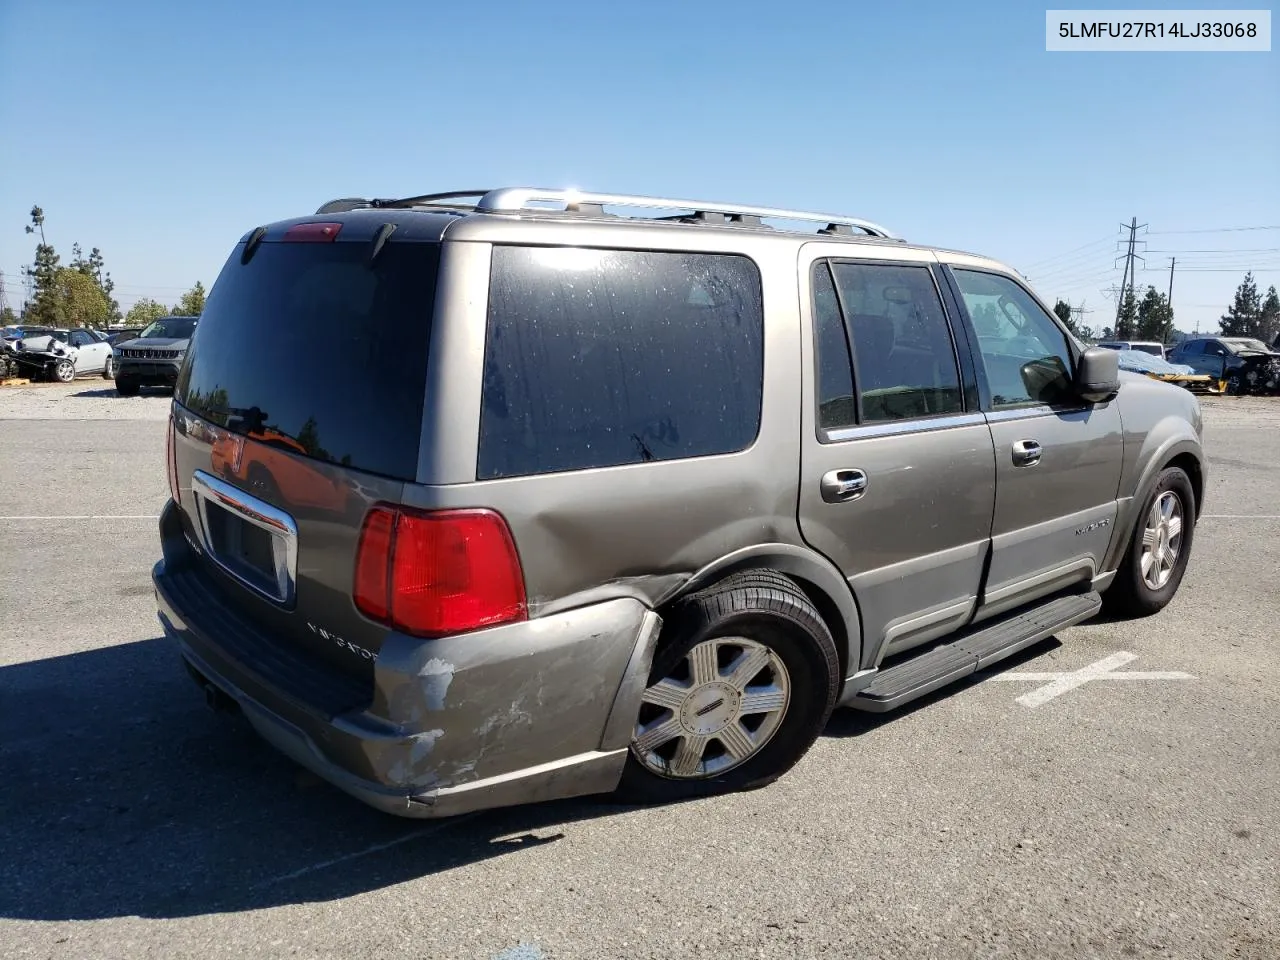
x=518, y=714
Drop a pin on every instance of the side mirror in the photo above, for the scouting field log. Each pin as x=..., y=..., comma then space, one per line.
x=1098, y=375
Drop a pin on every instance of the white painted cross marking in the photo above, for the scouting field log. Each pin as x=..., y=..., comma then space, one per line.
x=1063, y=681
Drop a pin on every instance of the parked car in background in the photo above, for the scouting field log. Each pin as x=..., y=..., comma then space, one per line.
x=606, y=501
x=1153, y=347
x=154, y=356
x=64, y=354
x=1243, y=364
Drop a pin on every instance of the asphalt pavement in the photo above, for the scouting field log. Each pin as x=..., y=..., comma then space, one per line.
x=1123, y=816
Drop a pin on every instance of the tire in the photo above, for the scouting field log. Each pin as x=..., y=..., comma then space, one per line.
x=1235, y=385
x=1133, y=594
x=64, y=371
x=126, y=388
x=755, y=617
x=109, y=370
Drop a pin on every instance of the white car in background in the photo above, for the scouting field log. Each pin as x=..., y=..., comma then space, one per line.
x=66, y=354
x=1153, y=347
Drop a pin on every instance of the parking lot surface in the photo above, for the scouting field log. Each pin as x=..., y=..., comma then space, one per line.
x=1111, y=793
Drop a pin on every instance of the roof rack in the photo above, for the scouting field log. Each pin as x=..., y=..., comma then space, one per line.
x=519, y=199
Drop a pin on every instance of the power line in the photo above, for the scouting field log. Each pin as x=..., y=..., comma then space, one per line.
x=1085, y=246
x=1169, y=233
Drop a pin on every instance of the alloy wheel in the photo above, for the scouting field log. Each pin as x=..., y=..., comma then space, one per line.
x=715, y=709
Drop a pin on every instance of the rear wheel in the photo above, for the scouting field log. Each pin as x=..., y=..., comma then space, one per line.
x=1159, y=548
x=741, y=686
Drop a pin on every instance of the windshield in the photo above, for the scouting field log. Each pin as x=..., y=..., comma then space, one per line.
x=1241, y=344
x=170, y=328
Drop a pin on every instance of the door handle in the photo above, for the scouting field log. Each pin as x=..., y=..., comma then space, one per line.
x=841, y=486
x=1026, y=453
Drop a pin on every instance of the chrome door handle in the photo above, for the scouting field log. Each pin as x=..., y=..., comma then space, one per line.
x=1026, y=453
x=841, y=486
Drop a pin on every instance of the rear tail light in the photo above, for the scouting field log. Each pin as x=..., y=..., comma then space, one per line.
x=312, y=233
x=438, y=573
x=171, y=459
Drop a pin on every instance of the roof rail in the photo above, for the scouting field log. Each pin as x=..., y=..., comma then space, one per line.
x=518, y=199
x=515, y=199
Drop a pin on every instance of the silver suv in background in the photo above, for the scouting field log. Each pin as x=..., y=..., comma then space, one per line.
x=480, y=499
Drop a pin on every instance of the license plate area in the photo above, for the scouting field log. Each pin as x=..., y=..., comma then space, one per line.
x=250, y=539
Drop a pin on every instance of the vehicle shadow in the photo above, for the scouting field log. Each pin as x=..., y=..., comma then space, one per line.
x=125, y=796
x=103, y=392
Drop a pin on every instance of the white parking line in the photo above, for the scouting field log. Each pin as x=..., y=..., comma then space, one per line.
x=355, y=855
x=91, y=516
x=1063, y=681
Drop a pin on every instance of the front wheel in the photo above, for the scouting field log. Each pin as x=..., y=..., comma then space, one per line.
x=743, y=683
x=1235, y=385
x=126, y=388
x=64, y=371
x=1159, y=548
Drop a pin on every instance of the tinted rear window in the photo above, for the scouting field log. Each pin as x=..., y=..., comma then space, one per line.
x=311, y=341
x=597, y=358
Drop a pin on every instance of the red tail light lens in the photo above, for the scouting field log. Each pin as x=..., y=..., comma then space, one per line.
x=312, y=233
x=171, y=459
x=432, y=574
x=373, y=564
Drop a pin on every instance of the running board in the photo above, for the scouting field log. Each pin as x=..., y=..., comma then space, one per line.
x=972, y=651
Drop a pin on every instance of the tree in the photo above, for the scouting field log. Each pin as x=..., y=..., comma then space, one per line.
x=1063, y=310
x=42, y=274
x=1243, y=317
x=7, y=316
x=1155, y=316
x=1269, y=322
x=1127, y=322
x=191, y=303
x=78, y=301
x=144, y=312
x=58, y=299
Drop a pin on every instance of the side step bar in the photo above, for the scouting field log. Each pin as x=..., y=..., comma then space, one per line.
x=971, y=651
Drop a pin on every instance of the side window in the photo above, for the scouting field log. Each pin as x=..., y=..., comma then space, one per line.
x=1024, y=352
x=77, y=338
x=836, y=405
x=903, y=356
x=597, y=358
x=1194, y=349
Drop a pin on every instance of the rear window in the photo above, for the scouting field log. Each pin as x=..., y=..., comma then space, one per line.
x=597, y=358
x=312, y=342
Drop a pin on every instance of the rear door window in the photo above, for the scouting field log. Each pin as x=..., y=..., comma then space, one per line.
x=903, y=356
x=597, y=358
x=312, y=342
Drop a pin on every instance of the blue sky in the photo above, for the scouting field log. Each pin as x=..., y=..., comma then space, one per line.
x=160, y=132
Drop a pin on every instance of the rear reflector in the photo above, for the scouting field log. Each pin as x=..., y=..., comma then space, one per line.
x=312, y=233
x=438, y=573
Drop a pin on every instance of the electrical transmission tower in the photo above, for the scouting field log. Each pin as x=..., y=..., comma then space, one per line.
x=1129, y=272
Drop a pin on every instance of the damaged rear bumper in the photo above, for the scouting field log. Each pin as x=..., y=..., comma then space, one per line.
x=517, y=714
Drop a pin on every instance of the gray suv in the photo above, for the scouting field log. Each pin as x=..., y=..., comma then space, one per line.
x=481, y=499
x=154, y=357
